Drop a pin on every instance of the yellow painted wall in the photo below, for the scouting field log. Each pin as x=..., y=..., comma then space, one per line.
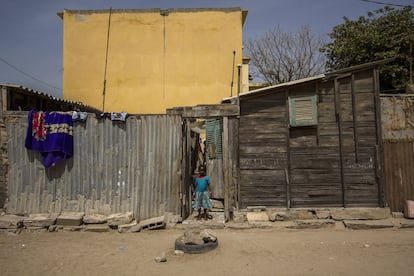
x=154, y=62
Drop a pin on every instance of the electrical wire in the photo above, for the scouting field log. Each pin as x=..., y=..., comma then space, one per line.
x=28, y=75
x=384, y=3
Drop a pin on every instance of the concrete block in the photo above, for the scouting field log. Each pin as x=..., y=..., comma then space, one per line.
x=279, y=216
x=70, y=219
x=368, y=224
x=302, y=214
x=120, y=218
x=40, y=220
x=323, y=214
x=313, y=224
x=70, y=228
x=257, y=217
x=96, y=228
x=152, y=223
x=360, y=213
x=94, y=219
x=129, y=228
x=11, y=222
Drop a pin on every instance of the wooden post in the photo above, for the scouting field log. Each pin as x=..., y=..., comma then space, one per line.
x=354, y=119
x=287, y=170
x=341, y=150
x=379, y=147
x=226, y=167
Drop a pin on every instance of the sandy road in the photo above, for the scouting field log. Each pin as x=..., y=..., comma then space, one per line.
x=240, y=252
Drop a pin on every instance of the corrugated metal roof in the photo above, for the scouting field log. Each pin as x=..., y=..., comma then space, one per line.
x=50, y=97
x=285, y=84
x=313, y=78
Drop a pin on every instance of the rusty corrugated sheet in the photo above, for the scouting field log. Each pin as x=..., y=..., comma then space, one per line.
x=116, y=167
x=397, y=119
x=399, y=173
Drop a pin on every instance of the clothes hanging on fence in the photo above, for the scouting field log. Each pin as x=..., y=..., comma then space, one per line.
x=118, y=116
x=113, y=116
x=78, y=116
x=51, y=134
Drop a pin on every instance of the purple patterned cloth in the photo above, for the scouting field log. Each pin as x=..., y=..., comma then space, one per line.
x=51, y=134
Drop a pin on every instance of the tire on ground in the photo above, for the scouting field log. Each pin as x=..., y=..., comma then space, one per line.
x=194, y=248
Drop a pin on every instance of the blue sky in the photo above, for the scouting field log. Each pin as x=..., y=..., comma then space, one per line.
x=31, y=31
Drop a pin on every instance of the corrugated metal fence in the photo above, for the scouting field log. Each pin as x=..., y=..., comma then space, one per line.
x=117, y=167
x=399, y=173
x=398, y=137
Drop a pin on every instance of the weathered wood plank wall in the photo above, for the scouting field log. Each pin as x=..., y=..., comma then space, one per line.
x=331, y=164
x=262, y=150
x=314, y=153
x=358, y=113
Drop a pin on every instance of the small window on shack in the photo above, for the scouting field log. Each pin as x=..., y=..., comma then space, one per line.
x=303, y=110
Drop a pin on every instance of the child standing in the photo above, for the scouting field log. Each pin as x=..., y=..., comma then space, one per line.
x=203, y=191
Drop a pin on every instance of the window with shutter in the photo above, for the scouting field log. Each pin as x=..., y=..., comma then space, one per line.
x=214, y=128
x=303, y=110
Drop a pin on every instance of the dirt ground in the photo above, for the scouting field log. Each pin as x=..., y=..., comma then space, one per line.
x=240, y=252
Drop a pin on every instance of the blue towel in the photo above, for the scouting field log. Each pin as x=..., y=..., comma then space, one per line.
x=51, y=134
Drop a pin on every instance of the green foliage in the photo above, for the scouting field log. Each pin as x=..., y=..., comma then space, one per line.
x=384, y=33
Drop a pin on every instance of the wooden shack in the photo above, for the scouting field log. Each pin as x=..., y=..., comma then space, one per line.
x=314, y=142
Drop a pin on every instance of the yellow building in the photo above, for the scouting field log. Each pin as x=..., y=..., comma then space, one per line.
x=145, y=61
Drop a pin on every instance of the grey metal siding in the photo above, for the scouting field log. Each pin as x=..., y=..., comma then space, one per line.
x=117, y=167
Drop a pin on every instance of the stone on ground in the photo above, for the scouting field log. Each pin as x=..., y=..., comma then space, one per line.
x=99, y=227
x=120, y=218
x=152, y=223
x=94, y=219
x=257, y=217
x=360, y=213
x=368, y=224
x=70, y=218
x=11, y=222
x=39, y=221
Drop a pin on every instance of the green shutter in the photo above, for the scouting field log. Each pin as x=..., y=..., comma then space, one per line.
x=214, y=128
x=303, y=110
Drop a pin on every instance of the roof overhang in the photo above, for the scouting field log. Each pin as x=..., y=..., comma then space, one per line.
x=280, y=85
x=325, y=76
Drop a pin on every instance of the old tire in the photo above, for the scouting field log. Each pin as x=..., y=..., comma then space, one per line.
x=194, y=248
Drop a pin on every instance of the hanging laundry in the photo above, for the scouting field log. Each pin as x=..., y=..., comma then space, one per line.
x=78, y=116
x=102, y=115
x=118, y=116
x=51, y=134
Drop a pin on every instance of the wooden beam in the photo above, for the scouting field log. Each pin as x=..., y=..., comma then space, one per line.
x=226, y=167
x=379, y=147
x=205, y=111
x=288, y=168
x=354, y=115
x=341, y=149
